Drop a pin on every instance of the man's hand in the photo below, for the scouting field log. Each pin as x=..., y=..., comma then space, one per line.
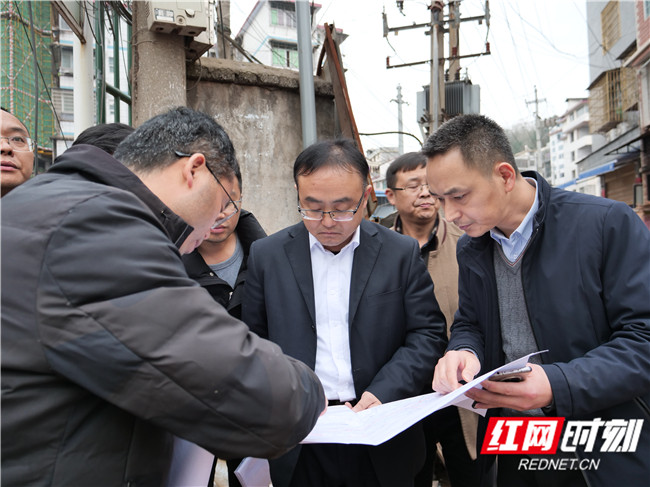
x=454, y=366
x=533, y=392
x=368, y=400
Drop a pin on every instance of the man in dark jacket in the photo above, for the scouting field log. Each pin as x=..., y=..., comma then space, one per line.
x=107, y=345
x=219, y=265
x=545, y=269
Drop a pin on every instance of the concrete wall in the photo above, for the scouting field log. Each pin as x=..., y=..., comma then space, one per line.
x=259, y=107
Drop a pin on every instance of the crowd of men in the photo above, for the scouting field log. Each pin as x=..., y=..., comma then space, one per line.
x=145, y=313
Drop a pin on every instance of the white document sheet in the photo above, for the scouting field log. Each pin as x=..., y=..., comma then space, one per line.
x=191, y=465
x=376, y=425
x=253, y=472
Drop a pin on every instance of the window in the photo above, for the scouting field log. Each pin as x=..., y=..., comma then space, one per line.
x=63, y=25
x=646, y=8
x=284, y=54
x=67, y=65
x=610, y=22
x=63, y=101
x=283, y=14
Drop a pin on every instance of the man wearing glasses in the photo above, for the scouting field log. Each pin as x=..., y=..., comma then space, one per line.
x=219, y=263
x=17, y=156
x=354, y=301
x=418, y=217
x=108, y=347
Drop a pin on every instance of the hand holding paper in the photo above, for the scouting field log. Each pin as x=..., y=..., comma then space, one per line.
x=533, y=392
x=378, y=424
x=454, y=366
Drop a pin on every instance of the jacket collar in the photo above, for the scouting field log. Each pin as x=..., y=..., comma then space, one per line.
x=484, y=242
x=248, y=230
x=95, y=165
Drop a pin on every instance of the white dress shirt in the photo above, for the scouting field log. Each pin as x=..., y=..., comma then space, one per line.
x=332, y=274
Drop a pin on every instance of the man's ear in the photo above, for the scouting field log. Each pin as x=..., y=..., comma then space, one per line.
x=190, y=166
x=390, y=196
x=506, y=175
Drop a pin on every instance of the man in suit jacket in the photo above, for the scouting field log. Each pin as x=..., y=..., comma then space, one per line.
x=354, y=301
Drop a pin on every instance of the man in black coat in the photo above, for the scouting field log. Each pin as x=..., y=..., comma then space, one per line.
x=108, y=347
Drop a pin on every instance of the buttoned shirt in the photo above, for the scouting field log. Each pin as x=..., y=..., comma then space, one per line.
x=332, y=274
x=515, y=245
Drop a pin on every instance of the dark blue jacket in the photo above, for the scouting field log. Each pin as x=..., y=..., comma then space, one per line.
x=586, y=281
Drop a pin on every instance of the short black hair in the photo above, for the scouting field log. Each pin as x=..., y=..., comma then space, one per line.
x=106, y=136
x=152, y=146
x=341, y=153
x=406, y=162
x=482, y=142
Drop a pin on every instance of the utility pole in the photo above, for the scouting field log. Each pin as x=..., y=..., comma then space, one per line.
x=434, y=85
x=223, y=14
x=538, y=133
x=454, y=45
x=306, y=73
x=155, y=90
x=436, y=25
x=400, y=126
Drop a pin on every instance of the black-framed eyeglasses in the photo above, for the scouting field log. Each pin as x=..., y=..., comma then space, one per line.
x=336, y=215
x=412, y=188
x=231, y=207
x=20, y=143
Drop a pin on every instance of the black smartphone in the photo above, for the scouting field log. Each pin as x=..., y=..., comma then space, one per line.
x=516, y=375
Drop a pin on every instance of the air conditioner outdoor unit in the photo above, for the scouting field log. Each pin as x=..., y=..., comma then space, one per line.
x=183, y=17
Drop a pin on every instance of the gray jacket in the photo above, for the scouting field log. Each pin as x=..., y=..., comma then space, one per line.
x=108, y=346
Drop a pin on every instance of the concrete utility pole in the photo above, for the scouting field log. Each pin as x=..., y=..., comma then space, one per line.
x=158, y=72
x=454, y=44
x=400, y=126
x=538, y=133
x=437, y=44
x=306, y=69
x=82, y=54
x=223, y=13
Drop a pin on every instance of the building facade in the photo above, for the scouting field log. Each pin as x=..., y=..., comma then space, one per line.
x=270, y=34
x=613, y=100
x=570, y=143
x=639, y=61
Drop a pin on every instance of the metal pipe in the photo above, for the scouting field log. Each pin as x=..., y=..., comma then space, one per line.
x=306, y=69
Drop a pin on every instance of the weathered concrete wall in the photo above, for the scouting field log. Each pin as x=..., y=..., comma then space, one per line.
x=259, y=107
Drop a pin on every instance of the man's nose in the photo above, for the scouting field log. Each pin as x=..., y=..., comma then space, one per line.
x=451, y=211
x=5, y=146
x=327, y=220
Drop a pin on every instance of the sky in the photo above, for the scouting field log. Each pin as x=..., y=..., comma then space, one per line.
x=540, y=44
